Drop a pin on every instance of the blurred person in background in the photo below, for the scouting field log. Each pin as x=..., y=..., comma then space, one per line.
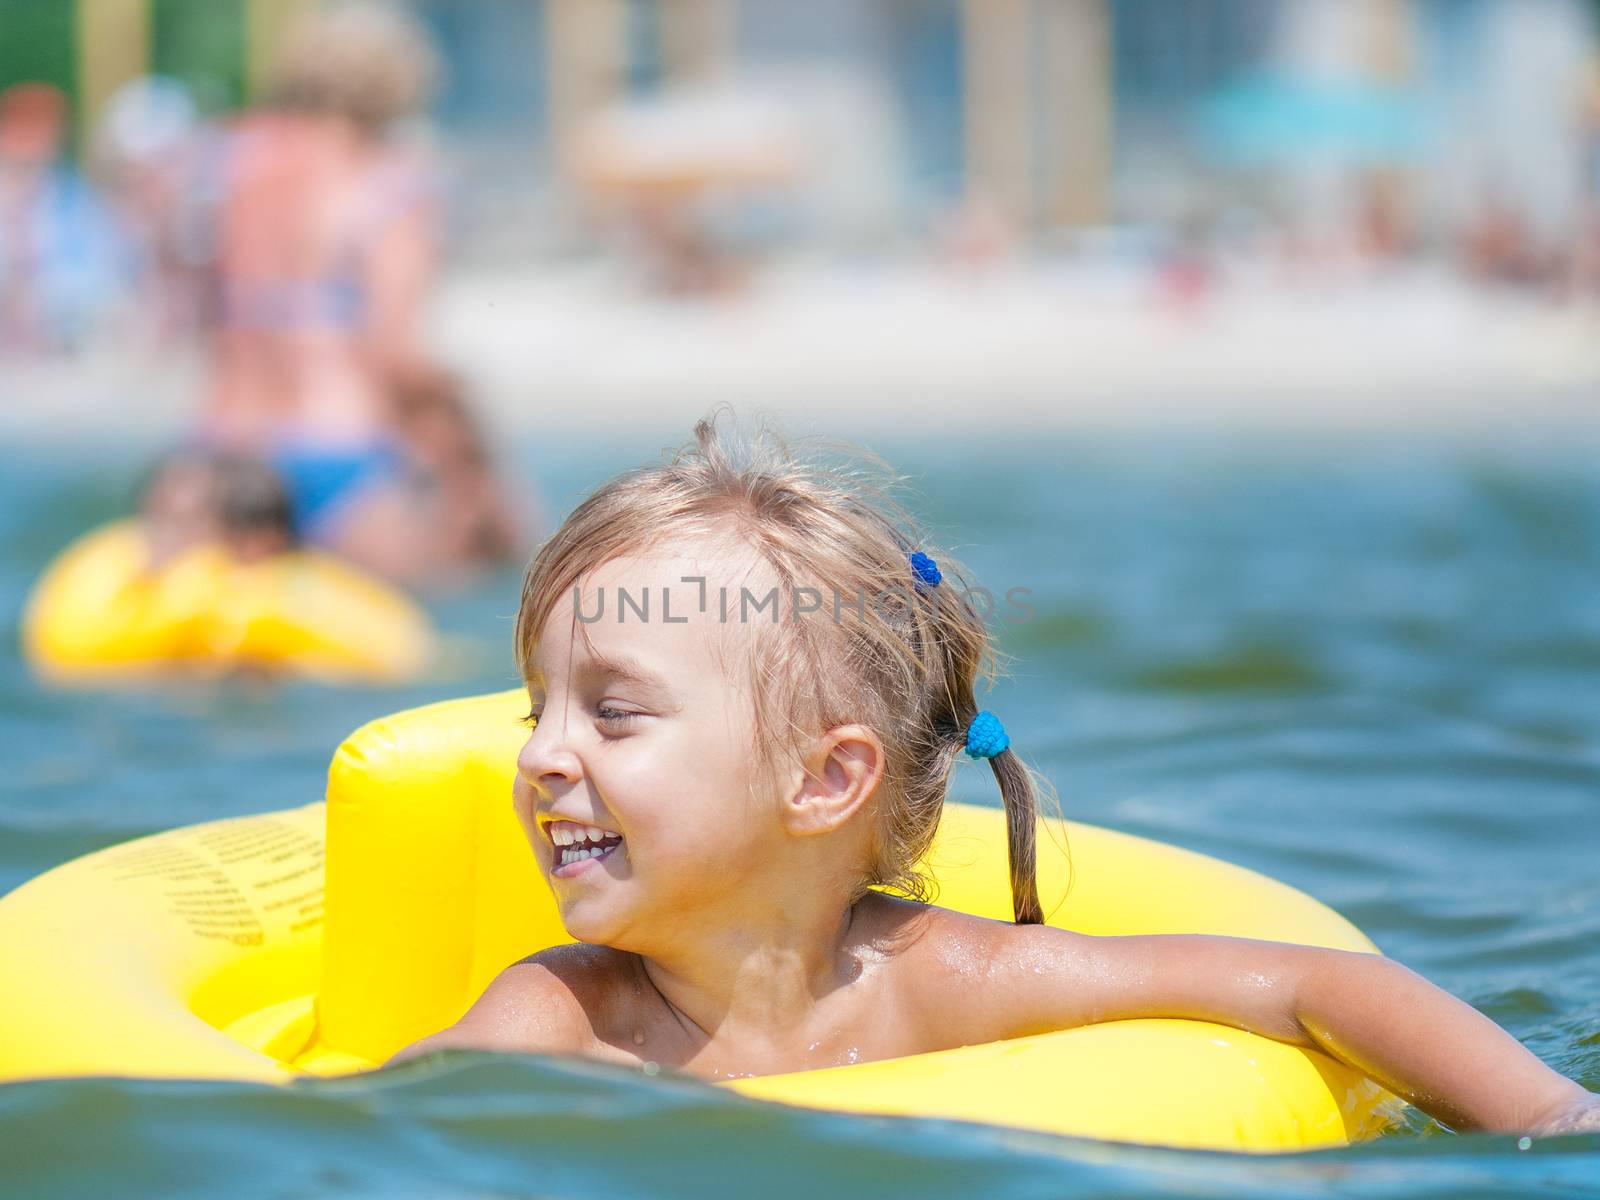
x=1500, y=245
x=232, y=501
x=324, y=253
x=60, y=250
x=1586, y=251
x=467, y=515
x=151, y=151
x=973, y=234
x=210, y=581
x=1186, y=274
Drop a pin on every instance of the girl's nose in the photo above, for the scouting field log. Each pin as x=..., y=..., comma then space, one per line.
x=545, y=762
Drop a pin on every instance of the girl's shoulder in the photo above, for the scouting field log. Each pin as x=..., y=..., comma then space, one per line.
x=559, y=999
x=576, y=974
x=546, y=1003
x=937, y=961
x=966, y=979
x=958, y=941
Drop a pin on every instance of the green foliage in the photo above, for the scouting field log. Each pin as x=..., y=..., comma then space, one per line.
x=38, y=43
x=201, y=42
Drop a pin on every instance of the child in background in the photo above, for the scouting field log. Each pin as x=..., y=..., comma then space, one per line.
x=228, y=500
x=716, y=793
x=210, y=581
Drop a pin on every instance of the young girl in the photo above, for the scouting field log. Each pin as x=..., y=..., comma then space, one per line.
x=749, y=687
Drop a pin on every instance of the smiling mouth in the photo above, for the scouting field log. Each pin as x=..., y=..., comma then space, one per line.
x=576, y=843
x=567, y=855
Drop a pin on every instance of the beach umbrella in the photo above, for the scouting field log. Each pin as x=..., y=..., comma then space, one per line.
x=689, y=141
x=1272, y=119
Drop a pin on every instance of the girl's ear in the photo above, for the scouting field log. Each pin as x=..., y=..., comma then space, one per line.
x=842, y=769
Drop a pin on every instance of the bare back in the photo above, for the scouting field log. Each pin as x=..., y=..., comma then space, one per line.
x=321, y=253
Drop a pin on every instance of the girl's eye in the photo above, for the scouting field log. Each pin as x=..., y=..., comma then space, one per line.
x=611, y=716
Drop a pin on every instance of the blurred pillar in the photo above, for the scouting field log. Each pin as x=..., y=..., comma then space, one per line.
x=113, y=49
x=997, y=53
x=585, y=60
x=1075, y=111
x=265, y=24
x=696, y=39
x=1387, y=29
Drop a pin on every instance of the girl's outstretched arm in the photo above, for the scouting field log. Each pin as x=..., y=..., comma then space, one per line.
x=1384, y=1020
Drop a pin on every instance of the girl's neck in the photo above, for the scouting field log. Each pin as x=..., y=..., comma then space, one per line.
x=758, y=982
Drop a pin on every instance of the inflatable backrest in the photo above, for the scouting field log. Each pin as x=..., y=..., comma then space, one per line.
x=431, y=886
x=432, y=889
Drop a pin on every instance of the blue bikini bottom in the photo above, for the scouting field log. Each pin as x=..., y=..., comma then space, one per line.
x=323, y=480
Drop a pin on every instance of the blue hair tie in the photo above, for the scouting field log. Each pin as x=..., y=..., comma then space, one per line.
x=925, y=569
x=986, y=737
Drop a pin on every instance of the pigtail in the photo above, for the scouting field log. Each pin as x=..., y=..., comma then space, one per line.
x=1022, y=829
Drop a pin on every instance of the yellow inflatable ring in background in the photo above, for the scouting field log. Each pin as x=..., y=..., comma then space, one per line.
x=216, y=952
x=98, y=614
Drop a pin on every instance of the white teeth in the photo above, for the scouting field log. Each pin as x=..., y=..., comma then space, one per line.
x=570, y=855
x=579, y=841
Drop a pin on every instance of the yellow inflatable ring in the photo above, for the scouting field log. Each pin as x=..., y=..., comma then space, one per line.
x=98, y=614
x=216, y=952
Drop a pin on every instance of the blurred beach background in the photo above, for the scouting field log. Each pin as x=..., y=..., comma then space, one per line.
x=1303, y=214
x=1260, y=339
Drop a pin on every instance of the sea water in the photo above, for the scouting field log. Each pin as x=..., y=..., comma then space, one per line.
x=1368, y=668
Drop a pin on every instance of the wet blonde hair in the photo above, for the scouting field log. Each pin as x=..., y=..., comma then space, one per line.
x=360, y=60
x=905, y=666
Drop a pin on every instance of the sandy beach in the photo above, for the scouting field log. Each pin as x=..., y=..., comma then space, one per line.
x=843, y=349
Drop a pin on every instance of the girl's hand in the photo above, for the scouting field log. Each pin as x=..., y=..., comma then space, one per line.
x=1583, y=1116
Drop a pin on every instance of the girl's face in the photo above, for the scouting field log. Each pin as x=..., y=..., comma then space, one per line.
x=646, y=739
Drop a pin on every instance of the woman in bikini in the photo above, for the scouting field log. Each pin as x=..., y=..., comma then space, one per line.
x=324, y=254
